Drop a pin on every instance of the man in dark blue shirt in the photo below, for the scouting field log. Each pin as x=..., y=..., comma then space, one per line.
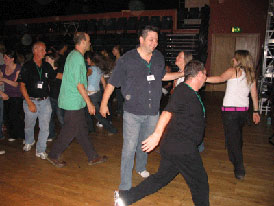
x=182, y=125
x=139, y=73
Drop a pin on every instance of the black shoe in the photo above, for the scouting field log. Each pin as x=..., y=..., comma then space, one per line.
x=239, y=175
x=98, y=160
x=56, y=163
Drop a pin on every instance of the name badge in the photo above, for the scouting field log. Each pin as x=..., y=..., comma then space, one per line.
x=150, y=78
x=40, y=85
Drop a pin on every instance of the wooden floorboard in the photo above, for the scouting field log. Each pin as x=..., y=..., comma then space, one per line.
x=26, y=180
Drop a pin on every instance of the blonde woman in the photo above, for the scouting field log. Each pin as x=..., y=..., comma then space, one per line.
x=240, y=80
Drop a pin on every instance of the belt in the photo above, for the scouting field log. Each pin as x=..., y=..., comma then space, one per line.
x=92, y=92
x=38, y=98
x=235, y=109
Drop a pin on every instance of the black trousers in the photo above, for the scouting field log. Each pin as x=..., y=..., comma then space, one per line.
x=188, y=165
x=13, y=115
x=233, y=124
x=75, y=126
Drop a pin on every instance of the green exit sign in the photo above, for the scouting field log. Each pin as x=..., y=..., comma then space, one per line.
x=236, y=29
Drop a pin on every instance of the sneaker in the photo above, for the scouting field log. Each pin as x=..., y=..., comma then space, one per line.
x=27, y=147
x=49, y=139
x=144, y=174
x=98, y=160
x=117, y=200
x=98, y=124
x=2, y=152
x=56, y=163
x=11, y=139
x=42, y=155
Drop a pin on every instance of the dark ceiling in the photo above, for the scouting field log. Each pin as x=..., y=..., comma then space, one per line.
x=18, y=9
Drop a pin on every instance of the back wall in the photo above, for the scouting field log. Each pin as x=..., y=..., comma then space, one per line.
x=249, y=15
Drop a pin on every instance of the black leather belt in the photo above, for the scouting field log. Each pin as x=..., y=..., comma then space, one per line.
x=38, y=98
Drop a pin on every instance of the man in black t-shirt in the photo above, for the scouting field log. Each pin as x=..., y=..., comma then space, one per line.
x=34, y=85
x=183, y=121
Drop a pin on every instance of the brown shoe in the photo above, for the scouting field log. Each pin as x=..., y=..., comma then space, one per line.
x=56, y=163
x=98, y=160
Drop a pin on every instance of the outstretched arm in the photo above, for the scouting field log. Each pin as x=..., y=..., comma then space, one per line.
x=172, y=75
x=228, y=74
x=153, y=140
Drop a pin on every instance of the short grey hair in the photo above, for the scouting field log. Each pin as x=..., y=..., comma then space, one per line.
x=193, y=68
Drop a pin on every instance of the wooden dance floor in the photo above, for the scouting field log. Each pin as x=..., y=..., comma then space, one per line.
x=26, y=180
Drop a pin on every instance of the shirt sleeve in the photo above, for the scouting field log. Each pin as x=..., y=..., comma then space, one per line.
x=80, y=72
x=118, y=75
x=23, y=75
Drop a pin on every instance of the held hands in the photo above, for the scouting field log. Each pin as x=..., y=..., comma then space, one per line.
x=256, y=118
x=91, y=109
x=104, y=111
x=151, y=142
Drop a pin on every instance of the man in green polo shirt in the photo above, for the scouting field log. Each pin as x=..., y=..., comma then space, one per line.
x=73, y=99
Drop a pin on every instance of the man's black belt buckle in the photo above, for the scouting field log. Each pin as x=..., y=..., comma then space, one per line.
x=38, y=98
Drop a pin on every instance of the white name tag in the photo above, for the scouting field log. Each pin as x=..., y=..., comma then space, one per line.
x=150, y=78
x=39, y=85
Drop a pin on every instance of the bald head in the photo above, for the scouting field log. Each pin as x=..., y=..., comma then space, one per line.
x=39, y=50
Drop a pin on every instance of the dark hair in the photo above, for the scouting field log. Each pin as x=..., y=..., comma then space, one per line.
x=168, y=64
x=193, y=68
x=78, y=37
x=118, y=47
x=98, y=60
x=10, y=54
x=61, y=45
x=51, y=50
x=53, y=56
x=147, y=29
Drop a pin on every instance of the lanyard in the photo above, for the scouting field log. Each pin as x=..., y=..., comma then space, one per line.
x=39, y=69
x=198, y=98
x=148, y=66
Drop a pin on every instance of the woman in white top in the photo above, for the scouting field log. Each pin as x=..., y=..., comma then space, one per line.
x=241, y=81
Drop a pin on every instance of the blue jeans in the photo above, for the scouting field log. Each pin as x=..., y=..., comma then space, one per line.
x=60, y=116
x=1, y=117
x=43, y=113
x=136, y=128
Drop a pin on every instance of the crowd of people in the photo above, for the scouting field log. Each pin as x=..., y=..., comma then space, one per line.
x=78, y=87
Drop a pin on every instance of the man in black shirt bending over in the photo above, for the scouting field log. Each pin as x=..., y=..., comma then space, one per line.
x=183, y=121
